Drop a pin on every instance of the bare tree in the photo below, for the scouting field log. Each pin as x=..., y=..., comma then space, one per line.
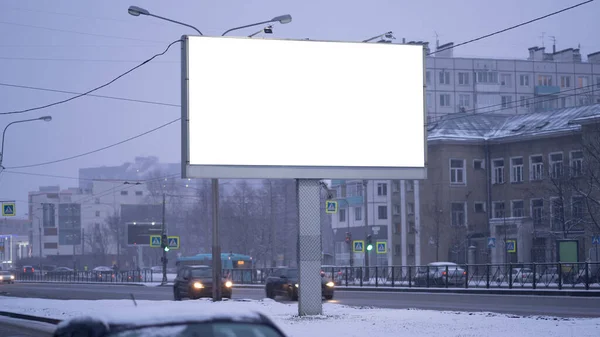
x=437, y=217
x=100, y=241
x=587, y=182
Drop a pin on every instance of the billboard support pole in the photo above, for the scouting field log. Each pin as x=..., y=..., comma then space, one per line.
x=309, y=247
x=164, y=244
x=216, y=245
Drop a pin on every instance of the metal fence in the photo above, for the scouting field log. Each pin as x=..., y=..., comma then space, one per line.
x=584, y=275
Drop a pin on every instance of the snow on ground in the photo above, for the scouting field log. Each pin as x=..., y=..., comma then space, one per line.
x=337, y=320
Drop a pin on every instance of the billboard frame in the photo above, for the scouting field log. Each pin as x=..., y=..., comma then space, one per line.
x=143, y=223
x=287, y=172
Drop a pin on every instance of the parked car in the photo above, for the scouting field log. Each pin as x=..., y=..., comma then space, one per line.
x=440, y=273
x=196, y=281
x=522, y=275
x=60, y=272
x=284, y=282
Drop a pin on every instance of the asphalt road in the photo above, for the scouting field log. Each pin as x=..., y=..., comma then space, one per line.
x=526, y=305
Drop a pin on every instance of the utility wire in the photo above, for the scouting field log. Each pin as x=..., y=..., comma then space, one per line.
x=96, y=88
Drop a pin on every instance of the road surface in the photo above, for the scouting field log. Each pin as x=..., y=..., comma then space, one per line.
x=526, y=305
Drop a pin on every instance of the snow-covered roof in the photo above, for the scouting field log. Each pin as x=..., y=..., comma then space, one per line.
x=483, y=126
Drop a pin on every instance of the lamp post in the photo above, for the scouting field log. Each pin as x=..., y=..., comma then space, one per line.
x=388, y=35
x=216, y=246
x=137, y=11
x=45, y=119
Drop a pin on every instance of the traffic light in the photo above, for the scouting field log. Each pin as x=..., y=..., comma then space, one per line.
x=164, y=243
x=348, y=237
x=369, y=242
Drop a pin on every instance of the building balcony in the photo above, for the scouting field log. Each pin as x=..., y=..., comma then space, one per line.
x=546, y=89
x=352, y=201
x=487, y=87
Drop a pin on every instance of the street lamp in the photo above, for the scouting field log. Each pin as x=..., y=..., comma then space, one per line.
x=283, y=19
x=45, y=119
x=137, y=11
x=267, y=30
x=388, y=35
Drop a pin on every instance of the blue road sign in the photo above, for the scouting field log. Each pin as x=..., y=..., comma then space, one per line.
x=359, y=246
x=331, y=206
x=381, y=247
x=491, y=242
x=511, y=246
x=155, y=240
x=173, y=242
x=9, y=209
x=596, y=240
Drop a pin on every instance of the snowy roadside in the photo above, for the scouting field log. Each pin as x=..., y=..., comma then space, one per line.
x=337, y=319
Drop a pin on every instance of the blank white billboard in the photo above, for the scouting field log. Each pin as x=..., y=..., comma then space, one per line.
x=267, y=108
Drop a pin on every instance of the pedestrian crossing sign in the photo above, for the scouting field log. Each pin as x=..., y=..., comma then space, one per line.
x=173, y=242
x=8, y=209
x=381, y=247
x=155, y=240
x=358, y=246
x=331, y=206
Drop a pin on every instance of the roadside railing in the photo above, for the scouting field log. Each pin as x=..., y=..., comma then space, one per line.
x=581, y=275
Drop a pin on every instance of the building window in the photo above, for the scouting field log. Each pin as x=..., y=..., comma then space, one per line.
x=479, y=207
x=354, y=189
x=411, y=227
x=524, y=102
x=506, y=80
x=411, y=249
x=498, y=172
x=516, y=170
x=397, y=209
x=444, y=77
x=464, y=100
x=397, y=227
x=458, y=214
x=506, y=102
x=410, y=185
x=463, y=78
x=576, y=163
x=457, y=171
x=489, y=77
x=478, y=164
x=395, y=186
x=444, y=99
x=397, y=250
x=536, y=168
x=124, y=193
x=342, y=215
x=557, y=212
x=545, y=80
x=582, y=81
x=138, y=193
x=537, y=211
x=429, y=99
x=556, y=165
x=357, y=213
x=524, y=80
x=410, y=208
x=381, y=189
x=498, y=209
x=565, y=81
x=382, y=212
x=518, y=208
x=428, y=77
x=577, y=208
x=97, y=213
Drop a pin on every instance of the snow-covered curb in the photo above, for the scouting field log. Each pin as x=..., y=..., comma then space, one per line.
x=336, y=319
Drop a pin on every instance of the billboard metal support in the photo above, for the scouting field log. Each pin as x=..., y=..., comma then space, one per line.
x=309, y=247
x=164, y=242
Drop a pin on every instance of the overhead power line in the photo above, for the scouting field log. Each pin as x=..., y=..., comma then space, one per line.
x=96, y=88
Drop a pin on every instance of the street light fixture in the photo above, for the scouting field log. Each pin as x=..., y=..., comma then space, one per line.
x=282, y=19
x=389, y=35
x=44, y=118
x=137, y=11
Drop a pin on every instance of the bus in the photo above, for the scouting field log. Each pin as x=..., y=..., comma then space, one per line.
x=239, y=267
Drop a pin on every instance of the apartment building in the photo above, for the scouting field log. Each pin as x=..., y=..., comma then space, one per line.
x=507, y=178
x=544, y=81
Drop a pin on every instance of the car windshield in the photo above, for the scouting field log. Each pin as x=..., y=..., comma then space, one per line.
x=4, y=273
x=202, y=272
x=292, y=273
x=201, y=329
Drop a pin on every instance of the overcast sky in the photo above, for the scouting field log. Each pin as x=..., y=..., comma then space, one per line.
x=76, y=45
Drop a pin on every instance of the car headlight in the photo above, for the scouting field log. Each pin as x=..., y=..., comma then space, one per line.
x=228, y=284
x=330, y=284
x=12, y=277
x=198, y=285
x=1, y=277
x=296, y=285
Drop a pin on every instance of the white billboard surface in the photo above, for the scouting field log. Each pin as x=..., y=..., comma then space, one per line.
x=267, y=108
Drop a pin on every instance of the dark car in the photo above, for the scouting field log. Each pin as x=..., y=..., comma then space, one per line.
x=60, y=271
x=7, y=277
x=284, y=282
x=172, y=325
x=196, y=281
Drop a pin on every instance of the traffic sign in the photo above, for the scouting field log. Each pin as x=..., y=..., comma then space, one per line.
x=155, y=240
x=358, y=246
x=491, y=242
x=381, y=247
x=596, y=240
x=173, y=242
x=331, y=206
x=511, y=246
x=9, y=209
